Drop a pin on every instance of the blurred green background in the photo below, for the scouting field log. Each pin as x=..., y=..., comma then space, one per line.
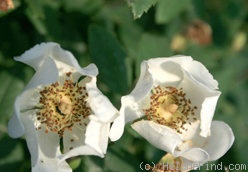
x=117, y=35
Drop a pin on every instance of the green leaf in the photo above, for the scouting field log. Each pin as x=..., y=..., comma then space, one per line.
x=130, y=34
x=140, y=6
x=10, y=88
x=117, y=160
x=152, y=45
x=75, y=162
x=107, y=53
x=42, y=13
x=36, y=15
x=84, y=6
x=91, y=164
x=11, y=152
x=166, y=10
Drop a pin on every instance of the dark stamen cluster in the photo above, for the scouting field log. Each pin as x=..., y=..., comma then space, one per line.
x=62, y=106
x=182, y=111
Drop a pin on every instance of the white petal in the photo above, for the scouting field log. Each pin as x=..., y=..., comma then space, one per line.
x=190, y=165
x=66, y=62
x=192, y=130
x=66, y=57
x=74, y=138
x=158, y=135
x=48, y=143
x=97, y=134
x=179, y=59
x=50, y=165
x=144, y=84
x=76, y=73
x=47, y=74
x=195, y=68
x=81, y=150
x=207, y=113
x=48, y=152
x=117, y=127
x=78, y=145
x=15, y=127
x=31, y=136
x=24, y=102
x=201, y=74
x=100, y=104
x=36, y=56
x=95, y=141
x=165, y=71
x=204, y=98
x=50, y=61
x=220, y=141
x=195, y=155
x=90, y=70
x=42, y=146
x=129, y=111
x=168, y=140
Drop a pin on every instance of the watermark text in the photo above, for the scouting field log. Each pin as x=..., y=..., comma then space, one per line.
x=182, y=167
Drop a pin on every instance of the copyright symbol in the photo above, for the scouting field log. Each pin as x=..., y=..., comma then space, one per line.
x=141, y=166
x=153, y=165
x=147, y=166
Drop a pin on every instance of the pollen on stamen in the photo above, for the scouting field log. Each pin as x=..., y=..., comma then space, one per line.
x=170, y=107
x=68, y=74
x=62, y=106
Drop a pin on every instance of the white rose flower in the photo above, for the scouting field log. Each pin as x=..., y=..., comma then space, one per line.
x=60, y=106
x=173, y=105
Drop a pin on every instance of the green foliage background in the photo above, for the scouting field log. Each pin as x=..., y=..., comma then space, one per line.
x=117, y=35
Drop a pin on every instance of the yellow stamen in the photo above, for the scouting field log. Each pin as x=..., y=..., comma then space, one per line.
x=65, y=105
x=169, y=106
x=62, y=106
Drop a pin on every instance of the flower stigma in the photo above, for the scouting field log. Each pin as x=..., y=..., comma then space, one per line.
x=62, y=106
x=170, y=107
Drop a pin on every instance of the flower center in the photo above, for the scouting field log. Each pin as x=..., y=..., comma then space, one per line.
x=62, y=106
x=170, y=107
